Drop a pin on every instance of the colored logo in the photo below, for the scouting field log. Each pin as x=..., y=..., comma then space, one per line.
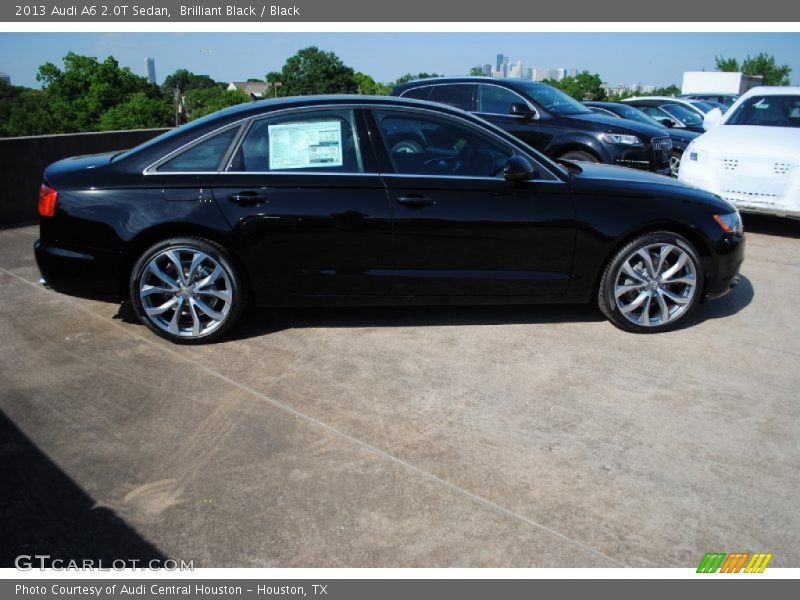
x=739, y=562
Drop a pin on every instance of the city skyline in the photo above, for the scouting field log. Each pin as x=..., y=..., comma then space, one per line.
x=654, y=58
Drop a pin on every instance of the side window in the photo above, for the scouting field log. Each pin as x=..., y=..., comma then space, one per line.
x=496, y=100
x=323, y=141
x=203, y=156
x=457, y=94
x=431, y=145
x=419, y=93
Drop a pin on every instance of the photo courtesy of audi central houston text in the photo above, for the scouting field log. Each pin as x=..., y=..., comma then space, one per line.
x=381, y=299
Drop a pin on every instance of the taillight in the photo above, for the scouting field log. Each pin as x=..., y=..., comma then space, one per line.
x=47, y=201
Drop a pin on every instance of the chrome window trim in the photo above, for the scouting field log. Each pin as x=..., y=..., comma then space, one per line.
x=152, y=168
x=496, y=179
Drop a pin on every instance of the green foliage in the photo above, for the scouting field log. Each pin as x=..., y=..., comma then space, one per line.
x=475, y=71
x=763, y=64
x=86, y=88
x=185, y=80
x=369, y=87
x=138, y=112
x=670, y=90
x=204, y=101
x=24, y=112
x=583, y=86
x=410, y=77
x=314, y=71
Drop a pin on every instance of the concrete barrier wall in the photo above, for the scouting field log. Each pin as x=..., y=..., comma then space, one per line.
x=23, y=160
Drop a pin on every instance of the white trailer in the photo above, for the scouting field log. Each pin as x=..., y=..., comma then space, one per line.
x=705, y=82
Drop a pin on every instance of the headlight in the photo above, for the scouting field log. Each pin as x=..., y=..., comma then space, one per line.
x=730, y=222
x=621, y=139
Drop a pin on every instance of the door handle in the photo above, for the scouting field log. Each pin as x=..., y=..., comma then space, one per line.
x=416, y=200
x=248, y=198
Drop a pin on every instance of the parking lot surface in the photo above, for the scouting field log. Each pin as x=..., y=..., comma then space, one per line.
x=481, y=436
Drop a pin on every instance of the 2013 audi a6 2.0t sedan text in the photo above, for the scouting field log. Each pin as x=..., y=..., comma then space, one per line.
x=301, y=201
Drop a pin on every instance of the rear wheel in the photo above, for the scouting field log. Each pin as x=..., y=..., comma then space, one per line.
x=187, y=290
x=652, y=283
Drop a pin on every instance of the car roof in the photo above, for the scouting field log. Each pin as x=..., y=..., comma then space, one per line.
x=773, y=90
x=504, y=82
x=665, y=98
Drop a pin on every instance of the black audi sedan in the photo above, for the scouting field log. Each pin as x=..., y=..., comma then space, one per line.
x=549, y=120
x=335, y=200
x=680, y=137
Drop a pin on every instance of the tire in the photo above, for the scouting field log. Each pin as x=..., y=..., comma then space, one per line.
x=579, y=155
x=199, y=305
x=650, y=298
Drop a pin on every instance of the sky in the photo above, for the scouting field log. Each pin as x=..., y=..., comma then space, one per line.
x=620, y=58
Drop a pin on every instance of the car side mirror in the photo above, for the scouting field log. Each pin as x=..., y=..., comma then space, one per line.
x=521, y=110
x=518, y=168
x=712, y=119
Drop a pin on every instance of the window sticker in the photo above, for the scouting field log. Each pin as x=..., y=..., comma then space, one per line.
x=306, y=144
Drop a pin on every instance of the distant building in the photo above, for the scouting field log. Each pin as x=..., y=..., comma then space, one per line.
x=573, y=72
x=150, y=69
x=515, y=71
x=539, y=74
x=487, y=70
x=256, y=88
x=5, y=78
x=527, y=73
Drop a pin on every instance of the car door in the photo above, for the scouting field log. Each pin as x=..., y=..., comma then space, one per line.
x=303, y=196
x=459, y=227
x=494, y=104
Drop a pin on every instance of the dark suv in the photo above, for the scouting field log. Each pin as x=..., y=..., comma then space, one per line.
x=549, y=120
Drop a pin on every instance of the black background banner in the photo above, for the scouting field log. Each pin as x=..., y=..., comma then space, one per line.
x=444, y=11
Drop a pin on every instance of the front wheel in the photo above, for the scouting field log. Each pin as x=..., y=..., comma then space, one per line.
x=652, y=283
x=580, y=156
x=187, y=290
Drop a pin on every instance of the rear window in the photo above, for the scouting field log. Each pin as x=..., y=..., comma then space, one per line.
x=203, y=156
x=419, y=93
x=457, y=94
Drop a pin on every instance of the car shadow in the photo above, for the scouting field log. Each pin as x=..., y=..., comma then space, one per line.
x=44, y=512
x=257, y=322
x=771, y=225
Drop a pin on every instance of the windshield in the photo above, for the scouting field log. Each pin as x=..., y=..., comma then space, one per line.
x=684, y=115
x=702, y=105
x=767, y=111
x=634, y=114
x=552, y=99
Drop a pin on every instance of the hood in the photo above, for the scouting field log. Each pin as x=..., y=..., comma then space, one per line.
x=683, y=135
x=755, y=140
x=609, y=179
x=616, y=125
x=62, y=171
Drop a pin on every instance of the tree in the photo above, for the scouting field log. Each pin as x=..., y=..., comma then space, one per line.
x=475, y=71
x=368, y=86
x=670, y=90
x=583, y=86
x=86, y=88
x=138, y=112
x=24, y=111
x=763, y=64
x=185, y=80
x=201, y=102
x=314, y=71
x=409, y=77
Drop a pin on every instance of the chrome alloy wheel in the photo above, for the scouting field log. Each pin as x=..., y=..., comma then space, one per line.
x=655, y=285
x=185, y=292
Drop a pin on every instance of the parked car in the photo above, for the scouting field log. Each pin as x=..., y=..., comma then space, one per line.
x=549, y=120
x=751, y=155
x=316, y=201
x=669, y=113
x=726, y=100
x=680, y=137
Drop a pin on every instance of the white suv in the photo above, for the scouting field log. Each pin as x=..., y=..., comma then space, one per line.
x=751, y=155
